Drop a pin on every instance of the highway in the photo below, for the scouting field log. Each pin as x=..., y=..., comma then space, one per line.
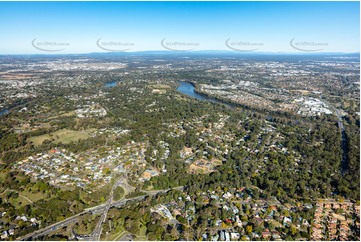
x=95, y=235
x=336, y=112
x=103, y=208
x=344, y=148
x=53, y=227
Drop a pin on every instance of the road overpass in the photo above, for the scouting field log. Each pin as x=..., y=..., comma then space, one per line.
x=100, y=208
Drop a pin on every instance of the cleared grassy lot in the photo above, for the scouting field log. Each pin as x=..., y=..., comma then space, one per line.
x=33, y=196
x=64, y=135
x=160, y=86
x=23, y=198
x=68, y=114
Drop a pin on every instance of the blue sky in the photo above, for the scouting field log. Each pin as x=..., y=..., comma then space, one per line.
x=137, y=26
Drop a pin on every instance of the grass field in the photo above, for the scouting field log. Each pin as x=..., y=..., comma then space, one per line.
x=193, y=169
x=142, y=235
x=19, y=202
x=2, y=174
x=33, y=196
x=140, y=238
x=68, y=114
x=161, y=86
x=118, y=193
x=64, y=135
x=114, y=235
x=23, y=198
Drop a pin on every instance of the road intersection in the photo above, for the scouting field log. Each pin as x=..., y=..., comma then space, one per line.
x=103, y=208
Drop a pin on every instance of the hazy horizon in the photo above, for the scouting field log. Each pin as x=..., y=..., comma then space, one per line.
x=87, y=27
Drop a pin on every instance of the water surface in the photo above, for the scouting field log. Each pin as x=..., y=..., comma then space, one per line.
x=188, y=89
x=110, y=84
x=4, y=112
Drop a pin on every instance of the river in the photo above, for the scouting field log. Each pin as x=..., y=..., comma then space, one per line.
x=4, y=112
x=111, y=84
x=188, y=89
